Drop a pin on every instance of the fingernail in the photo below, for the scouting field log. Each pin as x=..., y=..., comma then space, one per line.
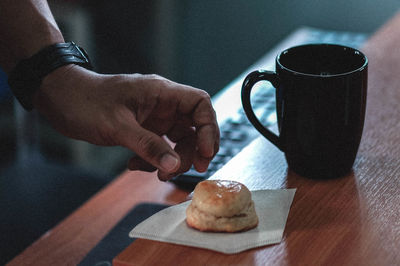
x=169, y=162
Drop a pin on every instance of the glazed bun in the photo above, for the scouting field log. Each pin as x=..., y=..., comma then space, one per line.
x=221, y=206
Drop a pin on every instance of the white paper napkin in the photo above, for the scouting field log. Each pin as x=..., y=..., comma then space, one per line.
x=169, y=225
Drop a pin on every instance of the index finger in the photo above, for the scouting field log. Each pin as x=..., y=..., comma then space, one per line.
x=198, y=104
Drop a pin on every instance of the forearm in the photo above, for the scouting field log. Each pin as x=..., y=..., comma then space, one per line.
x=26, y=26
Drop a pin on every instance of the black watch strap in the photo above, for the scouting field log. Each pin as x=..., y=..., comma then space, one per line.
x=25, y=79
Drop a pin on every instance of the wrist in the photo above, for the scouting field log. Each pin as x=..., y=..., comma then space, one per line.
x=26, y=78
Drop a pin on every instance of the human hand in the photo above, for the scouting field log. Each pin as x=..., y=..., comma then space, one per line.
x=135, y=111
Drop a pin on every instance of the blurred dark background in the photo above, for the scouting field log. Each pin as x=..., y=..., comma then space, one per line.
x=205, y=44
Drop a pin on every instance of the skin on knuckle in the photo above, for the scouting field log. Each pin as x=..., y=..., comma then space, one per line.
x=153, y=76
x=157, y=81
x=205, y=113
x=204, y=96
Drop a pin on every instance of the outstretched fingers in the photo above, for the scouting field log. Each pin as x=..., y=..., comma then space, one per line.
x=207, y=133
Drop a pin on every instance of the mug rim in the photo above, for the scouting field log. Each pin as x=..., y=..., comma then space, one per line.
x=359, y=69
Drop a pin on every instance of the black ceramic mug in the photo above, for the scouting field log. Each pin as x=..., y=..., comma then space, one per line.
x=321, y=94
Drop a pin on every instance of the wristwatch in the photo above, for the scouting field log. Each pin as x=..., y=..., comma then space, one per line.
x=25, y=79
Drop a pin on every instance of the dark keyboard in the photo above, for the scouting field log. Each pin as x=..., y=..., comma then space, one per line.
x=237, y=132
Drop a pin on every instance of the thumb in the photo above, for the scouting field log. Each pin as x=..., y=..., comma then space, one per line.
x=151, y=148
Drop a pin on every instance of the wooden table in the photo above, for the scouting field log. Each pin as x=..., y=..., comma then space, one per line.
x=354, y=220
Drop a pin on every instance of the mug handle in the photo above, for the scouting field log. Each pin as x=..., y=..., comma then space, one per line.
x=248, y=83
